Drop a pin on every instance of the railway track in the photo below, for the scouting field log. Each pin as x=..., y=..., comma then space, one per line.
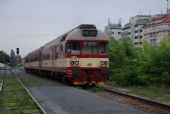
x=147, y=103
x=20, y=82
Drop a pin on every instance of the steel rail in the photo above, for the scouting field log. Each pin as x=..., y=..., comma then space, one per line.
x=135, y=97
x=40, y=107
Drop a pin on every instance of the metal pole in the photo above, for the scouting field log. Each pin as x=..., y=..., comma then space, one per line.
x=167, y=6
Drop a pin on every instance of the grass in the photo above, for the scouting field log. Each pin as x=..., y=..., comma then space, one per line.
x=111, y=83
x=30, y=82
x=97, y=89
x=15, y=100
x=158, y=93
x=154, y=92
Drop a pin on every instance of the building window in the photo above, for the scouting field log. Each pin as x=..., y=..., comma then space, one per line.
x=168, y=33
x=128, y=33
x=119, y=32
x=140, y=36
x=136, y=37
x=136, y=31
x=151, y=35
x=153, y=41
x=141, y=30
x=136, y=43
x=136, y=25
x=112, y=32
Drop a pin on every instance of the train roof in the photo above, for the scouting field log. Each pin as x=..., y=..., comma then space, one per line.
x=33, y=52
x=76, y=34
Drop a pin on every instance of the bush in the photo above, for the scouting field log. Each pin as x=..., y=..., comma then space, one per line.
x=165, y=78
x=130, y=66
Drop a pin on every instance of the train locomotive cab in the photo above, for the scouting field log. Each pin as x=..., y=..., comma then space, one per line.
x=86, y=52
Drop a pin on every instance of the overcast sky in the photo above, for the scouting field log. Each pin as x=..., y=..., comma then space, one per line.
x=29, y=24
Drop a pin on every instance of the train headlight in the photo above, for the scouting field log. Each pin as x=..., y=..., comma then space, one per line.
x=104, y=62
x=74, y=62
x=71, y=62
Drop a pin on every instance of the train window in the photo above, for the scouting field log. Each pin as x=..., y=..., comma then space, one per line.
x=89, y=48
x=73, y=48
x=48, y=56
x=61, y=47
x=89, y=32
x=56, y=55
x=103, y=48
x=56, y=52
x=44, y=57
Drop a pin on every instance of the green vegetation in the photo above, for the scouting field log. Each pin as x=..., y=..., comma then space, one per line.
x=161, y=94
x=12, y=59
x=140, y=67
x=143, y=71
x=15, y=100
x=4, y=58
x=31, y=82
x=97, y=89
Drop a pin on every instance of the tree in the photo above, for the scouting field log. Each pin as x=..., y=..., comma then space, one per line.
x=12, y=58
x=128, y=47
x=130, y=66
x=116, y=53
x=4, y=57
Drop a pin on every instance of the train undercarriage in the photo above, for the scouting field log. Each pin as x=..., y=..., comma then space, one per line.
x=76, y=77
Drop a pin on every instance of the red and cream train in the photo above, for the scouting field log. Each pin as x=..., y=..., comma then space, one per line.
x=78, y=56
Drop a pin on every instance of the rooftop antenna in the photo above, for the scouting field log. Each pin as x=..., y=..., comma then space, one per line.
x=120, y=21
x=109, y=23
x=167, y=5
x=161, y=12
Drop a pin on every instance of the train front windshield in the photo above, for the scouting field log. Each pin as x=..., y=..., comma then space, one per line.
x=87, y=48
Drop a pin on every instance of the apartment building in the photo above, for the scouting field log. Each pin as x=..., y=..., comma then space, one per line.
x=126, y=32
x=157, y=28
x=134, y=28
x=113, y=30
x=153, y=28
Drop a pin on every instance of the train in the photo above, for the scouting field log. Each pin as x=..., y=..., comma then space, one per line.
x=79, y=56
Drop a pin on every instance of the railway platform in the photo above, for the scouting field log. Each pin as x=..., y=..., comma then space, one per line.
x=57, y=98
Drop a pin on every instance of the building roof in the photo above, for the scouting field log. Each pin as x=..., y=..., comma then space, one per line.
x=164, y=18
x=115, y=26
x=126, y=26
x=142, y=21
x=167, y=19
x=143, y=15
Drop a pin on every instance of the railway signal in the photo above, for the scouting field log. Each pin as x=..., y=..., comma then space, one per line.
x=17, y=50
